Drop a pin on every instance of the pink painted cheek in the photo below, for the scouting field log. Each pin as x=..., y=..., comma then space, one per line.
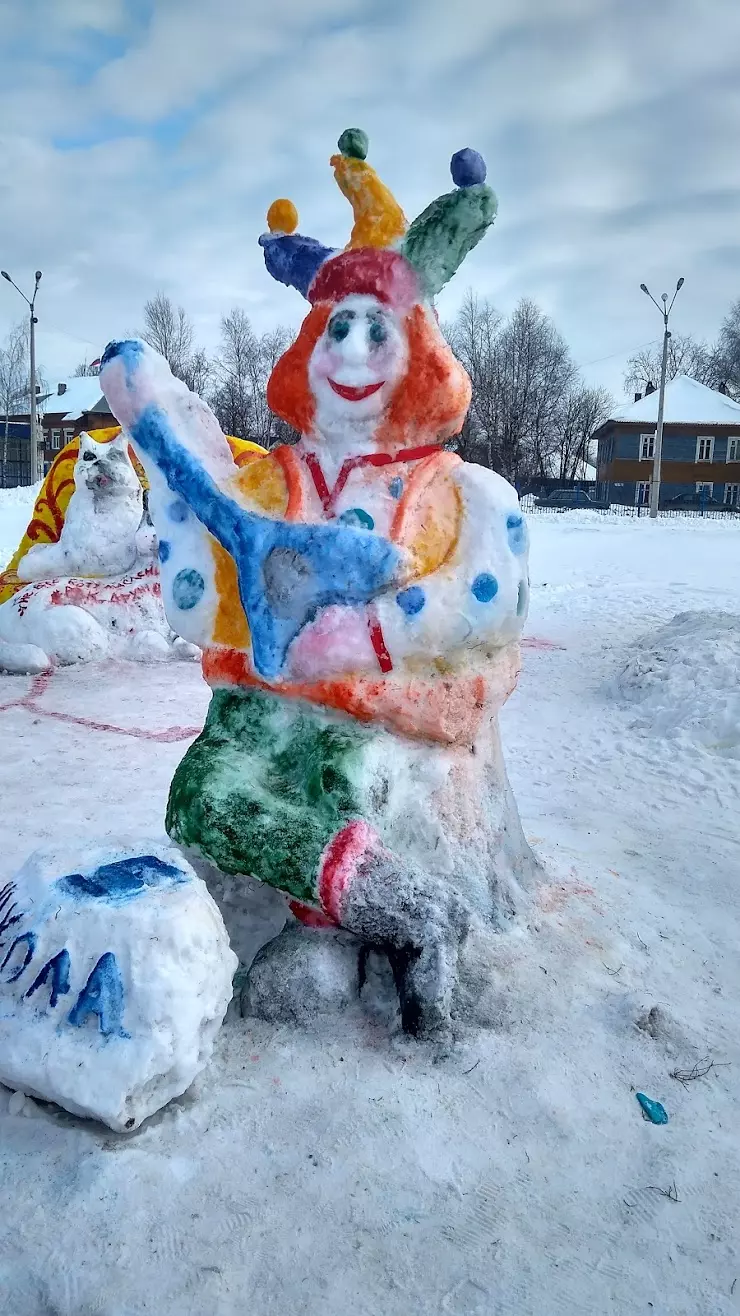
x=326, y=360
x=387, y=357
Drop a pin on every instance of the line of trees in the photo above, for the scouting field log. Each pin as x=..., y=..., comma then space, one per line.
x=531, y=415
x=234, y=380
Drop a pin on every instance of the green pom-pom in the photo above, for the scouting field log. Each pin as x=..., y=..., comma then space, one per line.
x=354, y=143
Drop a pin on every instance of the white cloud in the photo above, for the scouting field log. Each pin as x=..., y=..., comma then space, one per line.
x=610, y=129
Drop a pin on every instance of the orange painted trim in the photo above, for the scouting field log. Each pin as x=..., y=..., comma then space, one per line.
x=290, y=465
x=448, y=710
x=419, y=481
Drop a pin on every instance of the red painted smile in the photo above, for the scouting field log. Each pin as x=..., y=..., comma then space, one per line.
x=355, y=394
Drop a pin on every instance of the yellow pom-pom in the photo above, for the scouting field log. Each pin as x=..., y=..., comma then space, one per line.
x=282, y=217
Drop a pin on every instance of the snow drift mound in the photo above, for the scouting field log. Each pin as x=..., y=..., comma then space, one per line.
x=685, y=677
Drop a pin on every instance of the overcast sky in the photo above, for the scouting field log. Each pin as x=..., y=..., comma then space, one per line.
x=141, y=142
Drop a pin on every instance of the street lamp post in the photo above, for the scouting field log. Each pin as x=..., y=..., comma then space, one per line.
x=665, y=311
x=36, y=464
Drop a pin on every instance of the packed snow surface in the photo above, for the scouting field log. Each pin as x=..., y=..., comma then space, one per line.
x=351, y=1169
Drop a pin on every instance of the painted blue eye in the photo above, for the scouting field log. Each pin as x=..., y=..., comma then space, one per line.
x=338, y=329
x=378, y=332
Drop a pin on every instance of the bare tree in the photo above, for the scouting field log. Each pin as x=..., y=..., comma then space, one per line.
x=86, y=369
x=197, y=372
x=726, y=355
x=270, y=347
x=531, y=416
x=536, y=375
x=583, y=411
x=242, y=367
x=473, y=336
x=686, y=356
x=14, y=381
x=231, y=400
x=521, y=372
x=169, y=331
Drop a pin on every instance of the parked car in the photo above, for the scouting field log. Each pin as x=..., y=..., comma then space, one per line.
x=694, y=502
x=564, y=500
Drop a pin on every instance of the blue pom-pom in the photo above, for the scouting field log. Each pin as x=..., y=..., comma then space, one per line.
x=467, y=167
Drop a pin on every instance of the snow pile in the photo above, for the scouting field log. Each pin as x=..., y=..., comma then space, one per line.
x=685, y=677
x=16, y=506
x=117, y=977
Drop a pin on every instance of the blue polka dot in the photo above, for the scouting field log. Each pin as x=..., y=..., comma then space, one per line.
x=395, y=488
x=485, y=587
x=516, y=532
x=358, y=517
x=411, y=600
x=178, y=511
x=187, y=588
x=164, y=550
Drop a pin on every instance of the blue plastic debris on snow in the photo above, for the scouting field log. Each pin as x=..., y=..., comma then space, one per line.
x=652, y=1110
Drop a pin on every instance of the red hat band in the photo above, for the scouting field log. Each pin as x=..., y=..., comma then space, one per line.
x=372, y=271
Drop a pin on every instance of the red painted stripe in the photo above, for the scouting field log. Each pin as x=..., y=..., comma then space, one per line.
x=40, y=685
x=319, y=479
x=385, y=662
x=310, y=918
x=329, y=497
x=338, y=864
x=536, y=642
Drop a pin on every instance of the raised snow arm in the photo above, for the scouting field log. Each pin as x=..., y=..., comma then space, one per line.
x=286, y=571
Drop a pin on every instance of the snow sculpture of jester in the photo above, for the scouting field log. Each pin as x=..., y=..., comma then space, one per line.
x=358, y=598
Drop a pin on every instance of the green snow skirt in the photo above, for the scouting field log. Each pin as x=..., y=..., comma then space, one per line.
x=265, y=787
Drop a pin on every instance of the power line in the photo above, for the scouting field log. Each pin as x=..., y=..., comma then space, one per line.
x=650, y=343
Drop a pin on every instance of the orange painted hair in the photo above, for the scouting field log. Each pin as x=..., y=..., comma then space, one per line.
x=429, y=403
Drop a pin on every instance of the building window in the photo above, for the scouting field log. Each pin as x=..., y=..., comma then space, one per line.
x=732, y=495
x=68, y=436
x=733, y=450
x=647, y=447
x=56, y=440
x=704, y=448
x=704, y=490
x=642, y=493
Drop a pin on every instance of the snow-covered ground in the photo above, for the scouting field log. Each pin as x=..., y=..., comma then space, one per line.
x=16, y=506
x=351, y=1170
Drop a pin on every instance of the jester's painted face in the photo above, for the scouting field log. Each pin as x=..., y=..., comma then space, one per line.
x=357, y=363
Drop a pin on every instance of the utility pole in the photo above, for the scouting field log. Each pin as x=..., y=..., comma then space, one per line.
x=665, y=311
x=36, y=462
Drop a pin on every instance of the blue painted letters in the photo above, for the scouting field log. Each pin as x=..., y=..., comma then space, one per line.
x=102, y=995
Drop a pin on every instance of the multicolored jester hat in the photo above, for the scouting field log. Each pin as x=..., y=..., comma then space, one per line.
x=357, y=597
